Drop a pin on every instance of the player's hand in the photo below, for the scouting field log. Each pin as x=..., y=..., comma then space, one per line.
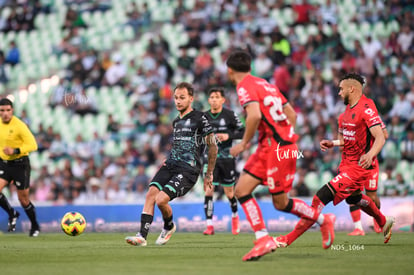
x=365, y=161
x=237, y=149
x=222, y=136
x=208, y=181
x=326, y=144
x=8, y=151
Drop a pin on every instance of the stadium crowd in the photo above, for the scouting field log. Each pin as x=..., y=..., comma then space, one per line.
x=298, y=67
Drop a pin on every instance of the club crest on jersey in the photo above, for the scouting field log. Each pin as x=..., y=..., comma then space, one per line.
x=187, y=122
x=243, y=95
x=353, y=116
x=222, y=122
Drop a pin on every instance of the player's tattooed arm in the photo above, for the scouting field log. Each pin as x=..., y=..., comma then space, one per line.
x=211, y=159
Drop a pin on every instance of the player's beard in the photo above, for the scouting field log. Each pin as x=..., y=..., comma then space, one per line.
x=346, y=99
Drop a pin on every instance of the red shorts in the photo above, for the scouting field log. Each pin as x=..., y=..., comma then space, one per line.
x=349, y=180
x=372, y=183
x=275, y=166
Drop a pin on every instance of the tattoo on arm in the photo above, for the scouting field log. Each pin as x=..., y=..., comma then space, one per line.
x=212, y=152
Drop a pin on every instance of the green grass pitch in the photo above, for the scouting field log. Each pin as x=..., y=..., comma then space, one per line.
x=194, y=253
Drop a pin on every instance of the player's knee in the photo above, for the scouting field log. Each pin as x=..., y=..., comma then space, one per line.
x=162, y=199
x=243, y=199
x=325, y=194
x=282, y=202
x=354, y=199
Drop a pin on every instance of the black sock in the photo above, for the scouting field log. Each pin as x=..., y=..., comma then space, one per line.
x=31, y=213
x=233, y=204
x=146, y=221
x=208, y=207
x=168, y=223
x=4, y=203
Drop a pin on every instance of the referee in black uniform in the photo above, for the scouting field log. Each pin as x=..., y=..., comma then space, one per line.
x=16, y=142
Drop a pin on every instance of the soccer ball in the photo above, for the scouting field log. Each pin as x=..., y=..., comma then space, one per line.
x=73, y=223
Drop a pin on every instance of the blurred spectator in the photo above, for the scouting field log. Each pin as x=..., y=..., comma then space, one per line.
x=13, y=55
x=4, y=79
x=262, y=66
x=280, y=46
x=327, y=12
x=371, y=47
x=402, y=107
x=58, y=148
x=57, y=94
x=85, y=104
x=407, y=145
x=73, y=19
x=140, y=181
x=113, y=191
x=397, y=186
x=94, y=192
x=282, y=78
x=115, y=75
x=304, y=11
x=405, y=39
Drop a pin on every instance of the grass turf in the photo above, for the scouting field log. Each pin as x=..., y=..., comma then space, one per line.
x=193, y=253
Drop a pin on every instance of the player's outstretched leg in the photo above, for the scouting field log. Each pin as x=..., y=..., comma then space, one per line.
x=387, y=228
x=262, y=246
x=377, y=228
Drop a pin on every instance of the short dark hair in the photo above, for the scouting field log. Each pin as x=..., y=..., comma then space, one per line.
x=354, y=76
x=185, y=85
x=219, y=90
x=239, y=61
x=6, y=102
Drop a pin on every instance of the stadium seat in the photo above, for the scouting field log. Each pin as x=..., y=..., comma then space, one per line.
x=312, y=181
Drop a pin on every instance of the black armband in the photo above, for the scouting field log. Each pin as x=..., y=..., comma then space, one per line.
x=16, y=151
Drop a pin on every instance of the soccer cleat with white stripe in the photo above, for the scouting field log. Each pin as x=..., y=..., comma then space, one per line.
x=165, y=235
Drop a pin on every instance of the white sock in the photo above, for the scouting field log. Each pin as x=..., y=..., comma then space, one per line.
x=209, y=222
x=358, y=225
x=261, y=233
x=235, y=214
x=320, y=219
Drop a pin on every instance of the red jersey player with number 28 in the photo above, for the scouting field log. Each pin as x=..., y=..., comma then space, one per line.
x=363, y=139
x=274, y=162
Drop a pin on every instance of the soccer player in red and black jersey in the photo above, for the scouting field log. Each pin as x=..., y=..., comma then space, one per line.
x=370, y=185
x=274, y=162
x=363, y=139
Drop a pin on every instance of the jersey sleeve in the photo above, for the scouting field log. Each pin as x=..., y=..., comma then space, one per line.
x=246, y=94
x=29, y=143
x=370, y=115
x=206, y=127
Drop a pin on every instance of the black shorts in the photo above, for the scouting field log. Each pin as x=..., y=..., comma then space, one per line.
x=174, y=181
x=17, y=171
x=224, y=172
